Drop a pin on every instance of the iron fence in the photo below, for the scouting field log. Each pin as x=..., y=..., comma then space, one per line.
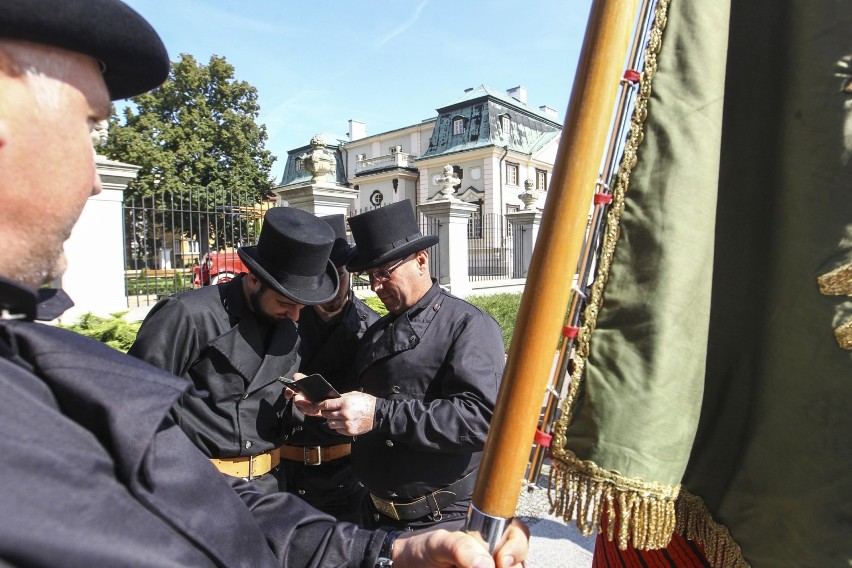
x=490, y=250
x=174, y=242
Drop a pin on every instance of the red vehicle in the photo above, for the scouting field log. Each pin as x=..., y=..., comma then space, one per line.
x=217, y=267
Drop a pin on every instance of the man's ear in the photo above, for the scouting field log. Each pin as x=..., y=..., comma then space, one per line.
x=252, y=282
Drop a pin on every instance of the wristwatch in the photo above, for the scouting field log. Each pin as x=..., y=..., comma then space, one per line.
x=384, y=560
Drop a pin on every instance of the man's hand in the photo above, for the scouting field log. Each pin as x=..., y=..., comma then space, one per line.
x=351, y=415
x=459, y=550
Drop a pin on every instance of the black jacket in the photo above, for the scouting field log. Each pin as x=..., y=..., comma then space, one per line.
x=210, y=337
x=95, y=472
x=329, y=348
x=436, y=370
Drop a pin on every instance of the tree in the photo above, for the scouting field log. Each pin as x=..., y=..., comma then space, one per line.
x=200, y=149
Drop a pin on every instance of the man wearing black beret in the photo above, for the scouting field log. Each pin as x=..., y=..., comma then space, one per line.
x=427, y=377
x=95, y=471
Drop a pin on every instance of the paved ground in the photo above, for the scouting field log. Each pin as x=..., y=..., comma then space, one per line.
x=553, y=543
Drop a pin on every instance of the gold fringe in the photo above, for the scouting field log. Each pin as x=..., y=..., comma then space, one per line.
x=695, y=523
x=643, y=512
x=838, y=282
x=613, y=228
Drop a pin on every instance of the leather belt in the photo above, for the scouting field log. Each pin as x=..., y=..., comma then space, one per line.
x=431, y=503
x=248, y=467
x=315, y=455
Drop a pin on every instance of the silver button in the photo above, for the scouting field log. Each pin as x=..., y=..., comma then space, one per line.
x=412, y=339
x=248, y=444
x=389, y=443
x=245, y=396
x=301, y=491
x=396, y=389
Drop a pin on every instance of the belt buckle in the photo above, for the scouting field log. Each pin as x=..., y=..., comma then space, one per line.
x=387, y=508
x=306, y=453
x=251, y=468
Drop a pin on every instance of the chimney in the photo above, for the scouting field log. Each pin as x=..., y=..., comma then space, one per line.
x=469, y=89
x=357, y=130
x=518, y=93
x=551, y=112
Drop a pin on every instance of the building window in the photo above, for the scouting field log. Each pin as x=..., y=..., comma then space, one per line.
x=300, y=165
x=505, y=123
x=511, y=173
x=474, y=224
x=541, y=180
x=458, y=126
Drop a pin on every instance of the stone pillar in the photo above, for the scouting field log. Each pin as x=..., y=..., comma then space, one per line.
x=322, y=195
x=452, y=216
x=95, y=250
x=525, y=225
x=320, y=198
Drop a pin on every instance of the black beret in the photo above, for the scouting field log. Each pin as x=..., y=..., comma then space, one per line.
x=108, y=30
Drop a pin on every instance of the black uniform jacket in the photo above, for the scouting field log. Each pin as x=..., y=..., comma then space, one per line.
x=435, y=369
x=210, y=337
x=95, y=472
x=329, y=348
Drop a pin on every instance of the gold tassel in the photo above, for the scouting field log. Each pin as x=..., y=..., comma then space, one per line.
x=644, y=513
x=695, y=523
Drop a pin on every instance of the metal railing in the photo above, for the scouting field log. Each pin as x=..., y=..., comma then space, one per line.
x=167, y=237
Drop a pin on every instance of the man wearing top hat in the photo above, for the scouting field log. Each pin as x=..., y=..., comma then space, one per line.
x=234, y=340
x=315, y=458
x=429, y=371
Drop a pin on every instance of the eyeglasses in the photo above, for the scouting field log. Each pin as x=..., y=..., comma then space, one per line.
x=384, y=274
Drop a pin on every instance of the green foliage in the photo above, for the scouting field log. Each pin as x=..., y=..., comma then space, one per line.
x=115, y=331
x=145, y=283
x=503, y=308
x=376, y=304
x=197, y=131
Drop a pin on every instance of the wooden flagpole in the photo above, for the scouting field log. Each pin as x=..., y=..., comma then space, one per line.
x=543, y=307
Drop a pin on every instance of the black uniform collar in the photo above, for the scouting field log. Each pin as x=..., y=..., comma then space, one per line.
x=22, y=302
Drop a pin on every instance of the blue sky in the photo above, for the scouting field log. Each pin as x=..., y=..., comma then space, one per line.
x=390, y=64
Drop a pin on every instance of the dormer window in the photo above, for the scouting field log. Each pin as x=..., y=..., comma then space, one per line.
x=458, y=125
x=505, y=123
x=300, y=165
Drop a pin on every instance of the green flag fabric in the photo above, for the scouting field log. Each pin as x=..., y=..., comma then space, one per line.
x=712, y=383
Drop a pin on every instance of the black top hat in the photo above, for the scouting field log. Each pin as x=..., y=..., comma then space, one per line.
x=342, y=251
x=133, y=55
x=385, y=234
x=291, y=256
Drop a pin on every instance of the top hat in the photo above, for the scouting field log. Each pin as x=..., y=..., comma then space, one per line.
x=291, y=256
x=385, y=234
x=132, y=54
x=342, y=251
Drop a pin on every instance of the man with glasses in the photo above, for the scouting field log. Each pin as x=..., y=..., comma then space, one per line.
x=428, y=374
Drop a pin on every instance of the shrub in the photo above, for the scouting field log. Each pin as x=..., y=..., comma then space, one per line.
x=115, y=331
x=153, y=284
x=375, y=304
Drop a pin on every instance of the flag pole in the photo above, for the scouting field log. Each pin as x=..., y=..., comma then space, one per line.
x=557, y=250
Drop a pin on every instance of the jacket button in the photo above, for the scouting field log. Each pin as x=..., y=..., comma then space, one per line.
x=301, y=491
x=436, y=307
x=248, y=444
x=245, y=396
x=396, y=389
x=412, y=339
x=389, y=443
